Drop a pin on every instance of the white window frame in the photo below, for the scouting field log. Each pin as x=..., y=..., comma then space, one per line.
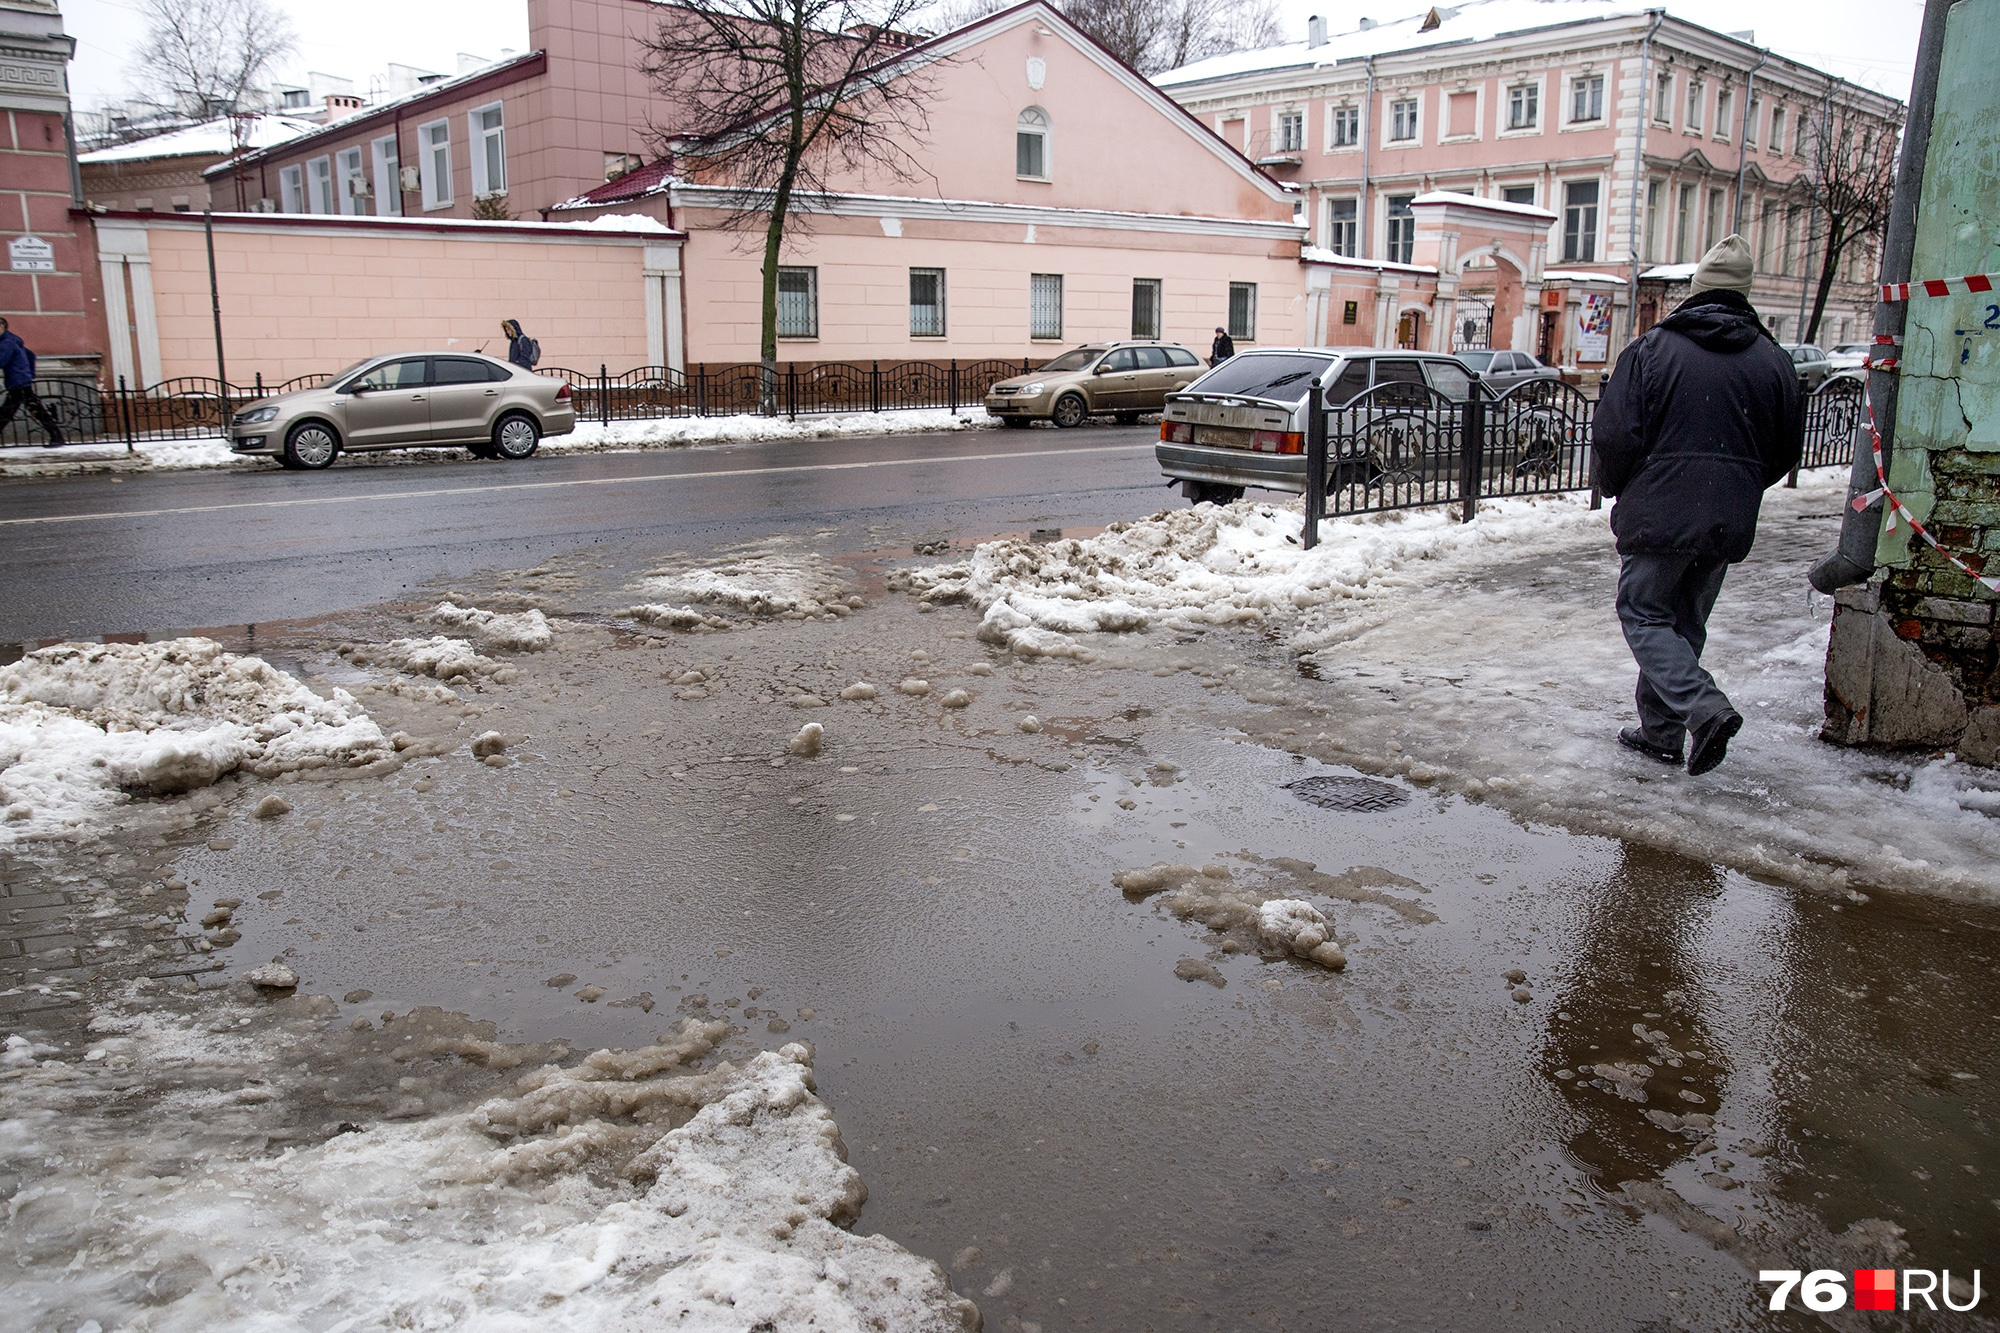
x=385, y=162
x=1753, y=127
x=1663, y=98
x=1152, y=292
x=1695, y=106
x=810, y=309
x=479, y=136
x=1533, y=89
x=1445, y=134
x=1725, y=108
x=432, y=136
x=292, y=189
x=1533, y=187
x=1587, y=240
x=1353, y=221
x=1415, y=138
x=1282, y=120
x=1035, y=121
x=1390, y=218
x=1040, y=287
x=346, y=169
x=1246, y=330
x=1587, y=85
x=939, y=331
x=1775, y=142
x=1334, y=116
x=319, y=185
x=1656, y=190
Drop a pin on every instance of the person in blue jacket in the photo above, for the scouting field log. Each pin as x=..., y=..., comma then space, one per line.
x=522, y=350
x=17, y=369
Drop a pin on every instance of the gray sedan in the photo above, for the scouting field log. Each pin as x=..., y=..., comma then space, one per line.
x=1501, y=371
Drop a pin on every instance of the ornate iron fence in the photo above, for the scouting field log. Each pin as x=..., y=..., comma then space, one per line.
x=1405, y=445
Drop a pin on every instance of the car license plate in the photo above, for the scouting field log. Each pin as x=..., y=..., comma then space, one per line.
x=1222, y=436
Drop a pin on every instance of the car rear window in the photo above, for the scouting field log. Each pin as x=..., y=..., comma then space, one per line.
x=1181, y=356
x=1352, y=383
x=1280, y=377
x=1152, y=358
x=1485, y=361
x=458, y=370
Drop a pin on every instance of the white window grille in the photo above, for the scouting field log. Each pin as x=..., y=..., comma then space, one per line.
x=798, y=303
x=1045, y=305
x=927, y=303
x=489, y=151
x=1243, y=310
x=1146, y=307
x=434, y=163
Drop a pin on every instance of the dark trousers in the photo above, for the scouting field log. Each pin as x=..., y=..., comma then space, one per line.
x=1663, y=603
x=25, y=396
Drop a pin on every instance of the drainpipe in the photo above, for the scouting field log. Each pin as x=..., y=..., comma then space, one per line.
x=1365, y=210
x=1639, y=175
x=1743, y=139
x=1853, y=561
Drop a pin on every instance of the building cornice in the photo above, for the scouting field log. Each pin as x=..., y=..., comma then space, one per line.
x=324, y=224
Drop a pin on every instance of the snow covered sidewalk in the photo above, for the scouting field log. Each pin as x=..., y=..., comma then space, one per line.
x=1487, y=660
x=588, y=437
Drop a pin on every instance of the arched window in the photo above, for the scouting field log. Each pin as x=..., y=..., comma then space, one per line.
x=1031, y=145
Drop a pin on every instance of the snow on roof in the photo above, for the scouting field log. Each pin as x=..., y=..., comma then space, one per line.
x=1314, y=254
x=625, y=222
x=211, y=138
x=1492, y=205
x=1670, y=272
x=1475, y=21
x=1580, y=275
x=653, y=178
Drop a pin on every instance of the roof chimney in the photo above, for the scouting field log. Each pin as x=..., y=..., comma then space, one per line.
x=1315, y=32
x=1366, y=24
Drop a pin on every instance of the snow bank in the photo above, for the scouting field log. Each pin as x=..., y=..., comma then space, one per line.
x=766, y=582
x=1210, y=565
x=446, y=658
x=509, y=632
x=624, y=1192
x=85, y=726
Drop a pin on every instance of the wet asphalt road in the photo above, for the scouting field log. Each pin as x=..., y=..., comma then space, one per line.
x=93, y=555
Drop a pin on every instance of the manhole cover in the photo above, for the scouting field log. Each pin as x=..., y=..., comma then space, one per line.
x=1361, y=795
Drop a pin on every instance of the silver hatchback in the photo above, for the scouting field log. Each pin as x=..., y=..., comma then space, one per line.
x=408, y=399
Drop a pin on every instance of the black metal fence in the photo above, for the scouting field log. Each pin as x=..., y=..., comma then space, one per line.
x=1404, y=445
x=189, y=408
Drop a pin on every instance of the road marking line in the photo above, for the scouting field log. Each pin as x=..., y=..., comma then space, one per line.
x=557, y=485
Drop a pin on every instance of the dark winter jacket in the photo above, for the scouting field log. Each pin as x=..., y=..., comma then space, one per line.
x=1702, y=413
x=1223, y=348
x=17, y=363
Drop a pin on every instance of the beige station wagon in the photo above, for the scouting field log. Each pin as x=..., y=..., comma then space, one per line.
x=1122, y=379
x=408, y=399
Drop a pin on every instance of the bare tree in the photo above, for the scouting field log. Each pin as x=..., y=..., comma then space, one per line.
x=778, y=97
x=204, y=57
x=1151, y=36
x=1845, y=189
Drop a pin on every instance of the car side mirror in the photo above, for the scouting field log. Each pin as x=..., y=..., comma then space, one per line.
x=1104, y=369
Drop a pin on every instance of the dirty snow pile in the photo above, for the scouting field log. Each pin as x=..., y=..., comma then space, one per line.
x=670, y=432
x=508, y=632
x=84, y=726
x=624, y=1192
x=1216, y=565
x=448, y=659
x=763, y=583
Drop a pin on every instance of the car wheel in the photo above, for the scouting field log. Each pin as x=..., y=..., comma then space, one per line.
x=311, y=444
x=516, y=436
x=1016, y=423
x=1069, y=412
x=1126, y=418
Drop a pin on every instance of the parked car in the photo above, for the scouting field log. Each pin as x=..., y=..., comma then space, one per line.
x=1848, y=356
x=1244, y=422
x=1811, y=363
x=1122, y=379
x=1501, y=371
x=478, y=403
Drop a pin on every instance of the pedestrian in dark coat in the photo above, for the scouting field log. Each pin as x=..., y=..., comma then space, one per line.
x=17, y=370
x=522, y=350
x=1223, y=348
x=1701, y=415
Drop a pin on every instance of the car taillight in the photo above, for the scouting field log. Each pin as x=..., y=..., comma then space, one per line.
x=1176, y=432
x=1278, y=441
x=562, y=393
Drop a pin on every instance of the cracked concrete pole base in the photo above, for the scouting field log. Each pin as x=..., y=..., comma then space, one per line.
x=1883, y=690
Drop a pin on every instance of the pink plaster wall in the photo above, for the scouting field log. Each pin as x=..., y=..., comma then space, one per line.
x=299, y=299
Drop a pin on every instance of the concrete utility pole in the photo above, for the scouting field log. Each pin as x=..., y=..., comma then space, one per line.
x=1912, y=658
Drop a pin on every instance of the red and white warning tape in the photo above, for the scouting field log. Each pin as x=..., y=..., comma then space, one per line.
x=1890, y=362
x=1974, y=282
x=1896, y=509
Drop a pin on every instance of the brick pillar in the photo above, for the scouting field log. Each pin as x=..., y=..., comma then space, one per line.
x=44, y=285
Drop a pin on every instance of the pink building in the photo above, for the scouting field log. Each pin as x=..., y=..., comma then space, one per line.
x=1644, y=138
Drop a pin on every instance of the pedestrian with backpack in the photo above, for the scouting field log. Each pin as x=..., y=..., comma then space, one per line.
x=522, y=350
x=17, y=369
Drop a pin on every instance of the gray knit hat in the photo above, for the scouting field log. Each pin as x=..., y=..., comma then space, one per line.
x=1727, y=266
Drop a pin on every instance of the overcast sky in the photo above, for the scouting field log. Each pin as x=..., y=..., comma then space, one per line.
x=1872, y=42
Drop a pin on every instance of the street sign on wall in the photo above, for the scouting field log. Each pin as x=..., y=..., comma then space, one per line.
x=30, y=254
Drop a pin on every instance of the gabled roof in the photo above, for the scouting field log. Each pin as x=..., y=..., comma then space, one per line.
x=211, y=138
x=653, y=178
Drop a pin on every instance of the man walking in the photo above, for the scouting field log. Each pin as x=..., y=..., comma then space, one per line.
x=1222, y=348
x=522, y=350
x=17, y=369
x=1701, y=415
